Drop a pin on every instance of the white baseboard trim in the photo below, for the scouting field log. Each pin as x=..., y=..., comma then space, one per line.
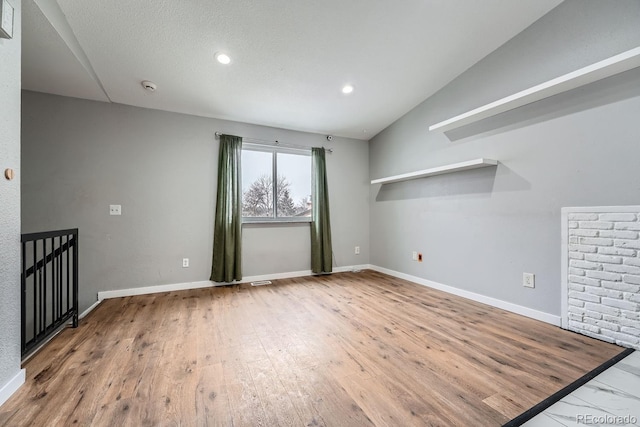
x=351, y=268
x=153, y=289
x=275, y=276
x=302, y=273
x=89, y=310
x=12, y=386
x=514, y=308
x=207, y=283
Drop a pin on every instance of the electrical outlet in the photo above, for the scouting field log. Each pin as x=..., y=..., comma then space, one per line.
x=185, y=262
x=419, y=257
x=357, y=250
x=115, y=209
x=528, y=280
x=414, y=256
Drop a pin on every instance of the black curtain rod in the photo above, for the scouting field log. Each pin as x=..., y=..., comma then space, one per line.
x=275, y=143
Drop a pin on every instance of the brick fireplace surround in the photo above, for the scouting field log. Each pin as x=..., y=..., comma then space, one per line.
x=601, y=273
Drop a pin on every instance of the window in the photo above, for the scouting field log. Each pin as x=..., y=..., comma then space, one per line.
x=285, y=198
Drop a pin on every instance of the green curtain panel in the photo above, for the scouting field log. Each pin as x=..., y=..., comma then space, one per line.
x=321, y=252
x=227, y=233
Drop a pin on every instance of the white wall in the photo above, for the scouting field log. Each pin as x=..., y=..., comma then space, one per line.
x=480, y=230
x=10, y=209
x=81, y=156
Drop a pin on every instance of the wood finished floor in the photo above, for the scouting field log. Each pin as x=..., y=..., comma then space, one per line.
x=350, y=349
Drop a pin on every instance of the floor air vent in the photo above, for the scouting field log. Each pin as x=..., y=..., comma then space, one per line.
x=261, y=283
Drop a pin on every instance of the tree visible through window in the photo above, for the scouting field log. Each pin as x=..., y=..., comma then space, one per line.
x=288, y=197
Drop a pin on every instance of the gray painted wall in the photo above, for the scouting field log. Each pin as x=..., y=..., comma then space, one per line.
x=10, y=51
x=480, y=230
x=81, y=156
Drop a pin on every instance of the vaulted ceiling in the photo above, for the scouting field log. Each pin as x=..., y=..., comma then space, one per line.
x=289, y=58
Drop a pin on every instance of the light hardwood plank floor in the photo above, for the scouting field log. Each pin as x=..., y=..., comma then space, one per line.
x=349, y=349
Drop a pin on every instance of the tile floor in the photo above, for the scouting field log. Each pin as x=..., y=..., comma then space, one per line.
x=611, y=398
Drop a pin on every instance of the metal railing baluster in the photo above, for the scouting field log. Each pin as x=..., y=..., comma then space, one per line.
x=50, y=281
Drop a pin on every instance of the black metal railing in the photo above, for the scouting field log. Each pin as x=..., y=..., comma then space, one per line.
x=49, y=284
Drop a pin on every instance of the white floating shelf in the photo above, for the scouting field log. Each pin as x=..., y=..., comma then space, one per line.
x=454, y=167
x=594, y=72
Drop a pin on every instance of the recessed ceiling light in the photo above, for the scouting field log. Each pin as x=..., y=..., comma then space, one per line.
x=223, y=58
x=346, y=89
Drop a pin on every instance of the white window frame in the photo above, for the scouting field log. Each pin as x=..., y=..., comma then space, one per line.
x=274, y=150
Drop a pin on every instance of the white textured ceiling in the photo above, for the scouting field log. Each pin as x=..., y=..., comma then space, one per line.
x=290, y=57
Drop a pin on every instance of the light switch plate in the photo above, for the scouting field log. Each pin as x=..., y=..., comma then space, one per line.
x=6, y=20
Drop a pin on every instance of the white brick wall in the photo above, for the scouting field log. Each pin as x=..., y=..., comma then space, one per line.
x=601, y=273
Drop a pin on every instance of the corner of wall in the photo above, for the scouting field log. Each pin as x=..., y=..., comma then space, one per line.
x=12, y=386
x=11, y=376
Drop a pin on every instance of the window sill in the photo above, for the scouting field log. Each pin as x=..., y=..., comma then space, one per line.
x=274, y=222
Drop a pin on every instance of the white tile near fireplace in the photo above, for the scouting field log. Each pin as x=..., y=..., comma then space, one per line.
x=614, y=393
